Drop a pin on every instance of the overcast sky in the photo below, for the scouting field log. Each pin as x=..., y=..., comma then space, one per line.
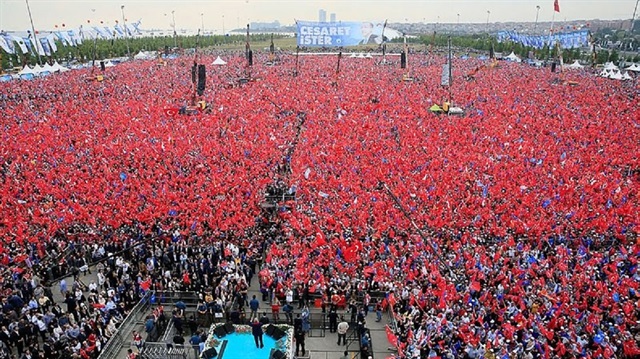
x=157, y=13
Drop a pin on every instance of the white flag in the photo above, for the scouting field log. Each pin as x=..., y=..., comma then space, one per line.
x=6, y=46
x=21, y=44
x=52, y=43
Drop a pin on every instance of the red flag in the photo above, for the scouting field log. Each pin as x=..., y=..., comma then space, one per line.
x=391, y=336
x=320, y=240
x=171, y=111
x=146, y=284
x=556, y=6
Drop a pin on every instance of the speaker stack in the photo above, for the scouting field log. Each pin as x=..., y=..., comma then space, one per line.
x=275, y=332
x=220, y=331
x=202, y=79
x=276, y=354
x=209, y=353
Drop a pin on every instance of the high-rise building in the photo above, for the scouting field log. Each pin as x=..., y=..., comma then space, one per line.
x=322, y=15
x=332, y=17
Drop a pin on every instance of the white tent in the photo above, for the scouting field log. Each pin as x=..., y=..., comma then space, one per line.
x=610, y=66
x=141, y=56
x=626, y=76
x=218, y=61
x=353, y=55
x=634, y=68
x=26, y=70
x=57, y=67
x=47, y=67
x=109, y=64
x=368, y=55
x=513, y=57
x=576, y=66
x=616, y=76
x=38, y=69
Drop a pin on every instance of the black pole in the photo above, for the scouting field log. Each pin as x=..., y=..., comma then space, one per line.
x=450, y=65
x=295, y=71
x=95, y=49
x=415, y=226
x=35, y=38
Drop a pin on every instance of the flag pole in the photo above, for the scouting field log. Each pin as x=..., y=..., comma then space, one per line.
x=35, y=38
x=295, y=71
x=450, y=65
x=384, y=44
x=406, y=54
x=553, y=20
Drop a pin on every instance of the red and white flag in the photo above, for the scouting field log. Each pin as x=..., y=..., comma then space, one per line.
x=556, y=6
x=171, y=111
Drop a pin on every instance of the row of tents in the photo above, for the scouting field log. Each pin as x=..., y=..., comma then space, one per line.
x=613, y=72
x=30, y=73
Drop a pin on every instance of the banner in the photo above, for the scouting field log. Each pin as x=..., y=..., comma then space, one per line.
x=27, y=45
x=444, y=78
x=21, y=44
x=76, y=36
x=43, y=49
x=6, y=43
x=51, y=38
x=568, y=40
x=336, y=34
x=118, y=30
x=100, y=32
x=134, y=28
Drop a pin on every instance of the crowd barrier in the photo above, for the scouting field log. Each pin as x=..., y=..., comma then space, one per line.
x=112, y=349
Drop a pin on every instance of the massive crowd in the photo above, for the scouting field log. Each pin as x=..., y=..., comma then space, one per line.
x=527, y=204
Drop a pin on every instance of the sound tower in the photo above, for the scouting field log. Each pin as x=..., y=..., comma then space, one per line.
x=403, y=60
x=166, y=50
x=250, y=58
x=553, y=67
x=102, y=66
x=229, y=328
x=194, y=70
x=202, y=79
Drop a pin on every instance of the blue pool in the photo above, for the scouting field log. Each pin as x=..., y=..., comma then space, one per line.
x=243, y=346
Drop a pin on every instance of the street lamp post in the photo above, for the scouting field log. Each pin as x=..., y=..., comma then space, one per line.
x=633, y=18
x=35, y=38
x=488, y=14
x=202, y=19
x=126, y=37
x=535, y=27
x=175, y=34
x=458, y=24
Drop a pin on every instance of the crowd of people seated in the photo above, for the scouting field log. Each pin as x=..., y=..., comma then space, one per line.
x=515, y=231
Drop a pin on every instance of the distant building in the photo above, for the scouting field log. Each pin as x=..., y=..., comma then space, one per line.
x=332, y=17
x=322, y=15
x=258, y=26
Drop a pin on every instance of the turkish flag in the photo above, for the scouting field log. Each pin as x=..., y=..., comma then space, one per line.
x=556, y=6
x=145, y=285
x=171, y=111
x=391, y=336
